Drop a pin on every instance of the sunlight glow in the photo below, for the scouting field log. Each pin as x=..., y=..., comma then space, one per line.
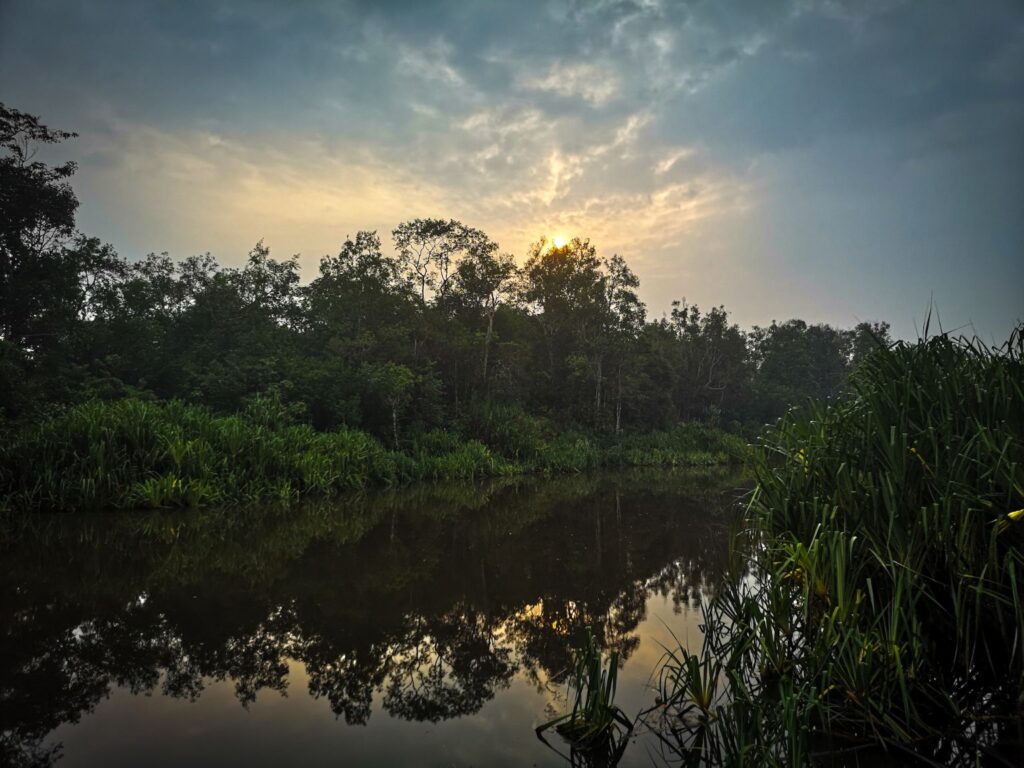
x=559, y=241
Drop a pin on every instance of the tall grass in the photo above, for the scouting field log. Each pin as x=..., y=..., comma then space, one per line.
x=141, y=454
x=595, y=728
x=883, y=608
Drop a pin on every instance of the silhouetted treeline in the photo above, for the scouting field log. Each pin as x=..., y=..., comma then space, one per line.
x=443, y=329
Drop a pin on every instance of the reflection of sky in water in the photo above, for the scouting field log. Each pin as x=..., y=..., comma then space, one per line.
x=433, y=622
x=296, y=728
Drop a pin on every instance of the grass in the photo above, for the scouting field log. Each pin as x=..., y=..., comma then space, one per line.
x=141, y=454
x=882, y=610
x=596, y=729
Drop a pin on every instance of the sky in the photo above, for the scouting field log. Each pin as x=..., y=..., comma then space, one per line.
x=834, y=161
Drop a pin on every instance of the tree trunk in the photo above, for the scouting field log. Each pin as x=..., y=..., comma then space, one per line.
x=487, y=345
x=455, y=385
x=618, y=400
x=394, y=423
x=597, y=393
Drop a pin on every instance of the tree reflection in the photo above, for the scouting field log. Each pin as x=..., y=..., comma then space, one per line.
x=433, y=599
x=446, y=666
x=348, y=680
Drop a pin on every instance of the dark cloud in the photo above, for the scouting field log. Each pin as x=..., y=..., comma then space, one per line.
x=777, y=141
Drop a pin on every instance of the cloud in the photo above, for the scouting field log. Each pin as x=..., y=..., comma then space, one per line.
x=429, y=63
x=298, y=195
x=589, y=82
x=732, y=150
x=303, y=196
x=668, y=161
x=641, y=223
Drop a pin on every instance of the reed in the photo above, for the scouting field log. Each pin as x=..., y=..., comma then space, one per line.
x=131, y=453
x=882, y=607
x=596, y=729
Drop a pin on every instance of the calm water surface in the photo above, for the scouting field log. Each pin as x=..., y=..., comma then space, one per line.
x=427, y=626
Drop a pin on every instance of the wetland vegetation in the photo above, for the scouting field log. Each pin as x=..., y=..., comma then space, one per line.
x=883, y=611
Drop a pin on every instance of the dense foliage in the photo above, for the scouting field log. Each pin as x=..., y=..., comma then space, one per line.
x=885, y=606
x=135, y=454
x=438, y=332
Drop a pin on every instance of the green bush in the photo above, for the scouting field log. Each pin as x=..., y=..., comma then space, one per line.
x=508, y=431
x=133, y=453
x=684, y=445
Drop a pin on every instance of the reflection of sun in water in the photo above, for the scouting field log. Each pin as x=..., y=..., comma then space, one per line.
x=559, y=241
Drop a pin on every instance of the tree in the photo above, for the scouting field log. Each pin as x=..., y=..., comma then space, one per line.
x=269, y=287
x=428, y=248
x=795, y=362
x=484, y=280
x=375, y=337
x=38, y=281
x=567, y=292
x=865, y=338
x=626, y=315
x=359, y=309
x=711, y=360
x=101, y=273
x=393, y=384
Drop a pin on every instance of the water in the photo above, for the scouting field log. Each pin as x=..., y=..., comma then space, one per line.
x=427, y=626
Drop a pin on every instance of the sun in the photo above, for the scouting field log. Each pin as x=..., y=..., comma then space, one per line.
x=559, y=241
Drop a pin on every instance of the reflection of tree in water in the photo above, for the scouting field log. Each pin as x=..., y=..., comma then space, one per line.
x=546, y=633
x=435, y=602
x=447, y=667
x=432, y=668
x=348, y=680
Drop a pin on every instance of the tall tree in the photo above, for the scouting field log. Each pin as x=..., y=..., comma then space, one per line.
x=567, y=290
x=795, y=362
x=484, y=281
x=358, y=307
x=712, y=371
x=38, y=280
x=429, y=248
x=626, y=315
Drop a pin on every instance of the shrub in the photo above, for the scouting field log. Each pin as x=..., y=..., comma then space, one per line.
x=132, y=453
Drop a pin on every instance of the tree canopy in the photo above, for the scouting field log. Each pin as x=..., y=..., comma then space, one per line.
x=434, y=331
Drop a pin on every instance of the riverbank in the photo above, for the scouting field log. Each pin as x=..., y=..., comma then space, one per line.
x=125, y=454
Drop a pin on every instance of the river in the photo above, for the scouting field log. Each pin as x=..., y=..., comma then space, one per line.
x=425, y=626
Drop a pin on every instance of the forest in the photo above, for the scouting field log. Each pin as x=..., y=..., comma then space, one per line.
x=442, y=329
